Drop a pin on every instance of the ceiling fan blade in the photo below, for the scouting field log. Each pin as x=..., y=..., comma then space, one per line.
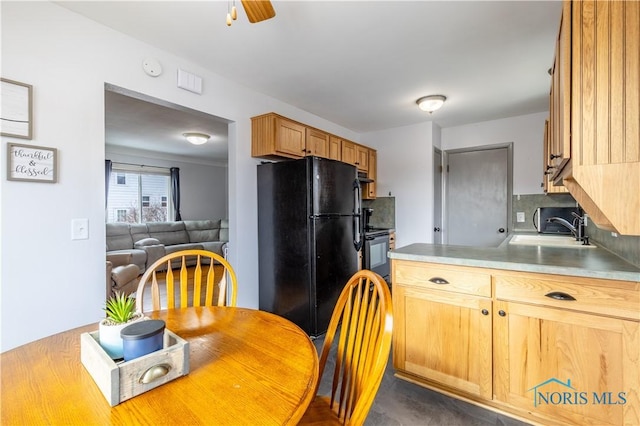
x=258, y=10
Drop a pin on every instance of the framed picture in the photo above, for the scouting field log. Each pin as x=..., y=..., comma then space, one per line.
x=31, y=163
x=16, y=118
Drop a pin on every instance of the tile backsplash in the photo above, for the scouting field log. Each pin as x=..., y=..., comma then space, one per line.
x=384, y=211
x=528, y=203
x=627, y=247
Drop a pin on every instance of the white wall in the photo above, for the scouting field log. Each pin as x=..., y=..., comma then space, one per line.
x=405, y=157
x=405, y=164
x=203, y=187
x=68, y=59
x=525, y=131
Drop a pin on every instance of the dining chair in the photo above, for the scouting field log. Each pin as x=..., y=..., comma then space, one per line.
x=174, y=270
x=363, y=319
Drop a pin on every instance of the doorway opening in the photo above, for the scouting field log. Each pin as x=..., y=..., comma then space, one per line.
x=478, y=188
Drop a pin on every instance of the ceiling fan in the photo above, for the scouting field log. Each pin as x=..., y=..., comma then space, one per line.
x=256, y=10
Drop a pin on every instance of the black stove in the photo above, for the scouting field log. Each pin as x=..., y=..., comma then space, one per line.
x=372, y=231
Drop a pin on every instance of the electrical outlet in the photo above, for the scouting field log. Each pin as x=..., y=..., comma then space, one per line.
x=614, y=234
x=520, y=217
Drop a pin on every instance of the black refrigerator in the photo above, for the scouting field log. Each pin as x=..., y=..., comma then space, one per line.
x=309, y=235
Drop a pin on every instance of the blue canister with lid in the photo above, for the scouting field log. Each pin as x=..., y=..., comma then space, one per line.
x=142, y=338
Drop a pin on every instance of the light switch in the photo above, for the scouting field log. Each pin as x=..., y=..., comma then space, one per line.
x=520, y=217
x=79, y=229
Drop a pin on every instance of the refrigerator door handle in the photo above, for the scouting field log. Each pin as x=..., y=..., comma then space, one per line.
x=357, y=227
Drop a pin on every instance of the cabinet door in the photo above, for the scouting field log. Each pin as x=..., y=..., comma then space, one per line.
x=579, y=368
x=547, y=183
x=370, y=191
x=348, y=152
x=290, y=137
x=443, y=337
x=334, y=148
x=560, y=114
x=362, y=158
x=317, y=143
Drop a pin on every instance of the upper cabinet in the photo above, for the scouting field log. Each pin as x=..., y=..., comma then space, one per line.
x=275, y=138
x=547, y=183
x=599, y=159
x=355, y=154
x=317, y=143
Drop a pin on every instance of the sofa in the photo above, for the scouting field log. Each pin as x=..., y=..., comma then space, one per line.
x=148, y=242
x=122, y=275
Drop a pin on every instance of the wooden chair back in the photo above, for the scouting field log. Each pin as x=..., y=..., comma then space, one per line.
x=172, y=269
x=364, y=317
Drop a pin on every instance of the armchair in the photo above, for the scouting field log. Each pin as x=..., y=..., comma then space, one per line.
x=122, y=275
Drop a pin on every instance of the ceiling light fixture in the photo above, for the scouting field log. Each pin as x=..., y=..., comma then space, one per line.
x=196, y=138
x=431, y=103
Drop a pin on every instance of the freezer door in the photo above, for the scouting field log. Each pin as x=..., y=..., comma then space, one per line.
x=332, y=187
x=334, y=261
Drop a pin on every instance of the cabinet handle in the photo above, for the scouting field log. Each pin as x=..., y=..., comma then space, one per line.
x=502, y=313
x=558, y=295
x=438, y=280
x=485, y=312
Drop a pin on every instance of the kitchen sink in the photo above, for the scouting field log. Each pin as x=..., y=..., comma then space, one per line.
x=548, y=241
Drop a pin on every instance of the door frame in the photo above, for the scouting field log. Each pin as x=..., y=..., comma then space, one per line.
x=445, y=182
x=438, y=191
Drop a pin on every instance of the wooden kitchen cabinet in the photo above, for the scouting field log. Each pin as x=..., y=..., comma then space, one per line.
x=273, y=136
x=547, y=183
x=369, y=192
x=599, y=159
x=335, y=145
x=355, y=154
x=499, y=339
x=317, y=143
x=560, y=97
x=574, y=343
x=442, y=335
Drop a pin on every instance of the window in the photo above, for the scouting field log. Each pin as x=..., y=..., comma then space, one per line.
x=121, y=215
x=139, y=194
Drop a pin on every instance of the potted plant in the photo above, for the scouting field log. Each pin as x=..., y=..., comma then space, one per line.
x=121, y=312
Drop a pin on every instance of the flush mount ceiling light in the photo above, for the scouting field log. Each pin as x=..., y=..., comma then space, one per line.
x=431, y=103
x=196, y=138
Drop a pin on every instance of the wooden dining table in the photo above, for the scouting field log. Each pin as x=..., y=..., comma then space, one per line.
x=247, y=367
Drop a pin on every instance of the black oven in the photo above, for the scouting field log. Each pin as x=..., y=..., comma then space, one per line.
x=374, y=252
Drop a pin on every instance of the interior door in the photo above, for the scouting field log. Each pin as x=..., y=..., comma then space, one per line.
x=478, y=196
x=437, y=196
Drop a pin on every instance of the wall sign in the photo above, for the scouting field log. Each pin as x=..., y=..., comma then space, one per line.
x=16, y=110
x=31, y=163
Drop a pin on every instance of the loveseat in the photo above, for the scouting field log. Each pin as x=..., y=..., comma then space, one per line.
x=148, y=242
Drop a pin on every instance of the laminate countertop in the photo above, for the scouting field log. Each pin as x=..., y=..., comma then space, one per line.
x=595, y=262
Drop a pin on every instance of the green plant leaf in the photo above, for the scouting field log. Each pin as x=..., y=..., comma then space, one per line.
x=120, y=307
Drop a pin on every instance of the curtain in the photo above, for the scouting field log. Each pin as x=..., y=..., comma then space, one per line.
x=175, y=191
x=108, y=166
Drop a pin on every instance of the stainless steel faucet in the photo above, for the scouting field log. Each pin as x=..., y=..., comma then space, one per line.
x=577, y=228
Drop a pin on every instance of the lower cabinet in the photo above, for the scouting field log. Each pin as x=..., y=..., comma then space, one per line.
x=546, y=348
x=575, y=367
x=445, y=338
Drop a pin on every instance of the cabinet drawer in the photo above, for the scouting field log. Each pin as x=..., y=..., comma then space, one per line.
x=606, y=297
x=458, y=279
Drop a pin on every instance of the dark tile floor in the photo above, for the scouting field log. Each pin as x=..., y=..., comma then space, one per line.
x=399, y=402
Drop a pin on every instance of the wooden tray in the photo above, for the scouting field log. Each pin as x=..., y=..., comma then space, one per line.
x=124, y=380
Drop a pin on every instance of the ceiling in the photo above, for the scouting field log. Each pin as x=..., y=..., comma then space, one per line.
x=363, y=64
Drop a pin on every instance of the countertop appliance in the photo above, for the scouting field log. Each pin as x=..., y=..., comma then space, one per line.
x=309, y=235
x=544, y=213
